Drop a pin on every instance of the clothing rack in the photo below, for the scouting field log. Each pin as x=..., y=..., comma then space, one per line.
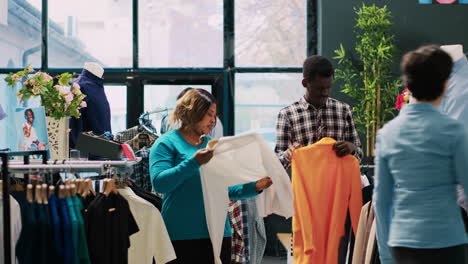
x=16, y=166
x=145, y=122
x=5, y=156
x=114, y=163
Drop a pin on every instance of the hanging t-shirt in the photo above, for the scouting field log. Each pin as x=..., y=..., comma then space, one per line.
x=325, y=187
x=56, y=230
x=68, y=251
x=74, y=228
x=82, y=249
x=26, y=248
x=110, y=224
x=239, y=160
x=15, y=221
x=153, y=239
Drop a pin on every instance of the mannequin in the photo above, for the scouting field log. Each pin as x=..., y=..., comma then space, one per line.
x=96, y=117
x=455, y=51
x=94, y=68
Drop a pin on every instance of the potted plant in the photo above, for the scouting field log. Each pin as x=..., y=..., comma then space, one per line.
x=59, y=99
x=369, y=79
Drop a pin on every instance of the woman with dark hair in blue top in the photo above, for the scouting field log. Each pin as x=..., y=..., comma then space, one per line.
x=175, y=160
x=421, y=157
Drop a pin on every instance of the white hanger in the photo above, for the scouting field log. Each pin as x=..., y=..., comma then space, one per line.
x=94, y=68
x=455, y=51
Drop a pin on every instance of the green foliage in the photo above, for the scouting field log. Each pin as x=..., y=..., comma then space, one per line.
x=369, y=80
x=58, y=100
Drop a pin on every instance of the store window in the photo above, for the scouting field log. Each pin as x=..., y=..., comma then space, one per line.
x=181, y=33
x=117, y=97
x=20, y=33
x=90, y=31
x=270, y=33
x=260, y=96
x=159, y=97
x=165, y=96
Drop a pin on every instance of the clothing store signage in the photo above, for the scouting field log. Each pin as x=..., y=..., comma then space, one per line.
x=443, y=2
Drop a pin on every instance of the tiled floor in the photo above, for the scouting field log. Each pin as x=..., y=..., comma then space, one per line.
x=274, y=260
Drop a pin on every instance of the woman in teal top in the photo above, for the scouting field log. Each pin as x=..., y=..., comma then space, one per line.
x=421, y=157
x=175, y=160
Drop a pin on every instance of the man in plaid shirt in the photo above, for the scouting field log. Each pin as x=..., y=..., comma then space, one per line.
x=316, y=116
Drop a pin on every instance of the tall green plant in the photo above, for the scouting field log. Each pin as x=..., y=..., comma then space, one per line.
x=369, y=79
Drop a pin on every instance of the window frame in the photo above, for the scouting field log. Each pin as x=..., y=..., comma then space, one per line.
x=221, y=79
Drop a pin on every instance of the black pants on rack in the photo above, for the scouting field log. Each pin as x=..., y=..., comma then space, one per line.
x=200, y=251
x=452, y=255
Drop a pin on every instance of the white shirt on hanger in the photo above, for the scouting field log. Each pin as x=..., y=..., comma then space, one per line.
x=15, y=220
x=152, y=240
x=239, y=160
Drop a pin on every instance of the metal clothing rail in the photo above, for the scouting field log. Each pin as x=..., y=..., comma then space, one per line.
x=38, y=166
x=115, y=163
x=145, y=122
x=43, y=167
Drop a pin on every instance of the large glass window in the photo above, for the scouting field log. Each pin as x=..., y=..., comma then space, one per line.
x=165, y=96
x=90, y=31
x=117, y=97
x=181, y=33
x=270, y=33
x=260, y=96
x=20, y=33
x=159, y=97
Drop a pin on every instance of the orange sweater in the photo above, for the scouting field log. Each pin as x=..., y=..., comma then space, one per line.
x=325, y=187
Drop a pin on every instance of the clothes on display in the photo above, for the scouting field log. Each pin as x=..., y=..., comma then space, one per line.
x=302, y=123
x=141, y=142
x=16, y=221
x=129, y=134
x=256, y=235
x=110, y=223
x=152, y=198
x=240, y=160
x=141, y=173
x=372, y=252
x=116, y=227
x=153, y=239
x=182, y=188
x=404, y=216
x=96, y=117
x=237, y=227
x=245, y=230
x=324, y=192
x=363, y=237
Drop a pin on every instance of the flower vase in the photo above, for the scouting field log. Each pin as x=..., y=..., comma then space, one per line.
x=57, y=132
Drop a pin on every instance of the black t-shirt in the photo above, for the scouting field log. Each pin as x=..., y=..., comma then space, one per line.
x=110, y=224
x=87, y=200
x=27, y=245
x=150, y=197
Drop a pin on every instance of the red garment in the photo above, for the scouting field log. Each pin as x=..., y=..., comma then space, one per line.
x=325, y=187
